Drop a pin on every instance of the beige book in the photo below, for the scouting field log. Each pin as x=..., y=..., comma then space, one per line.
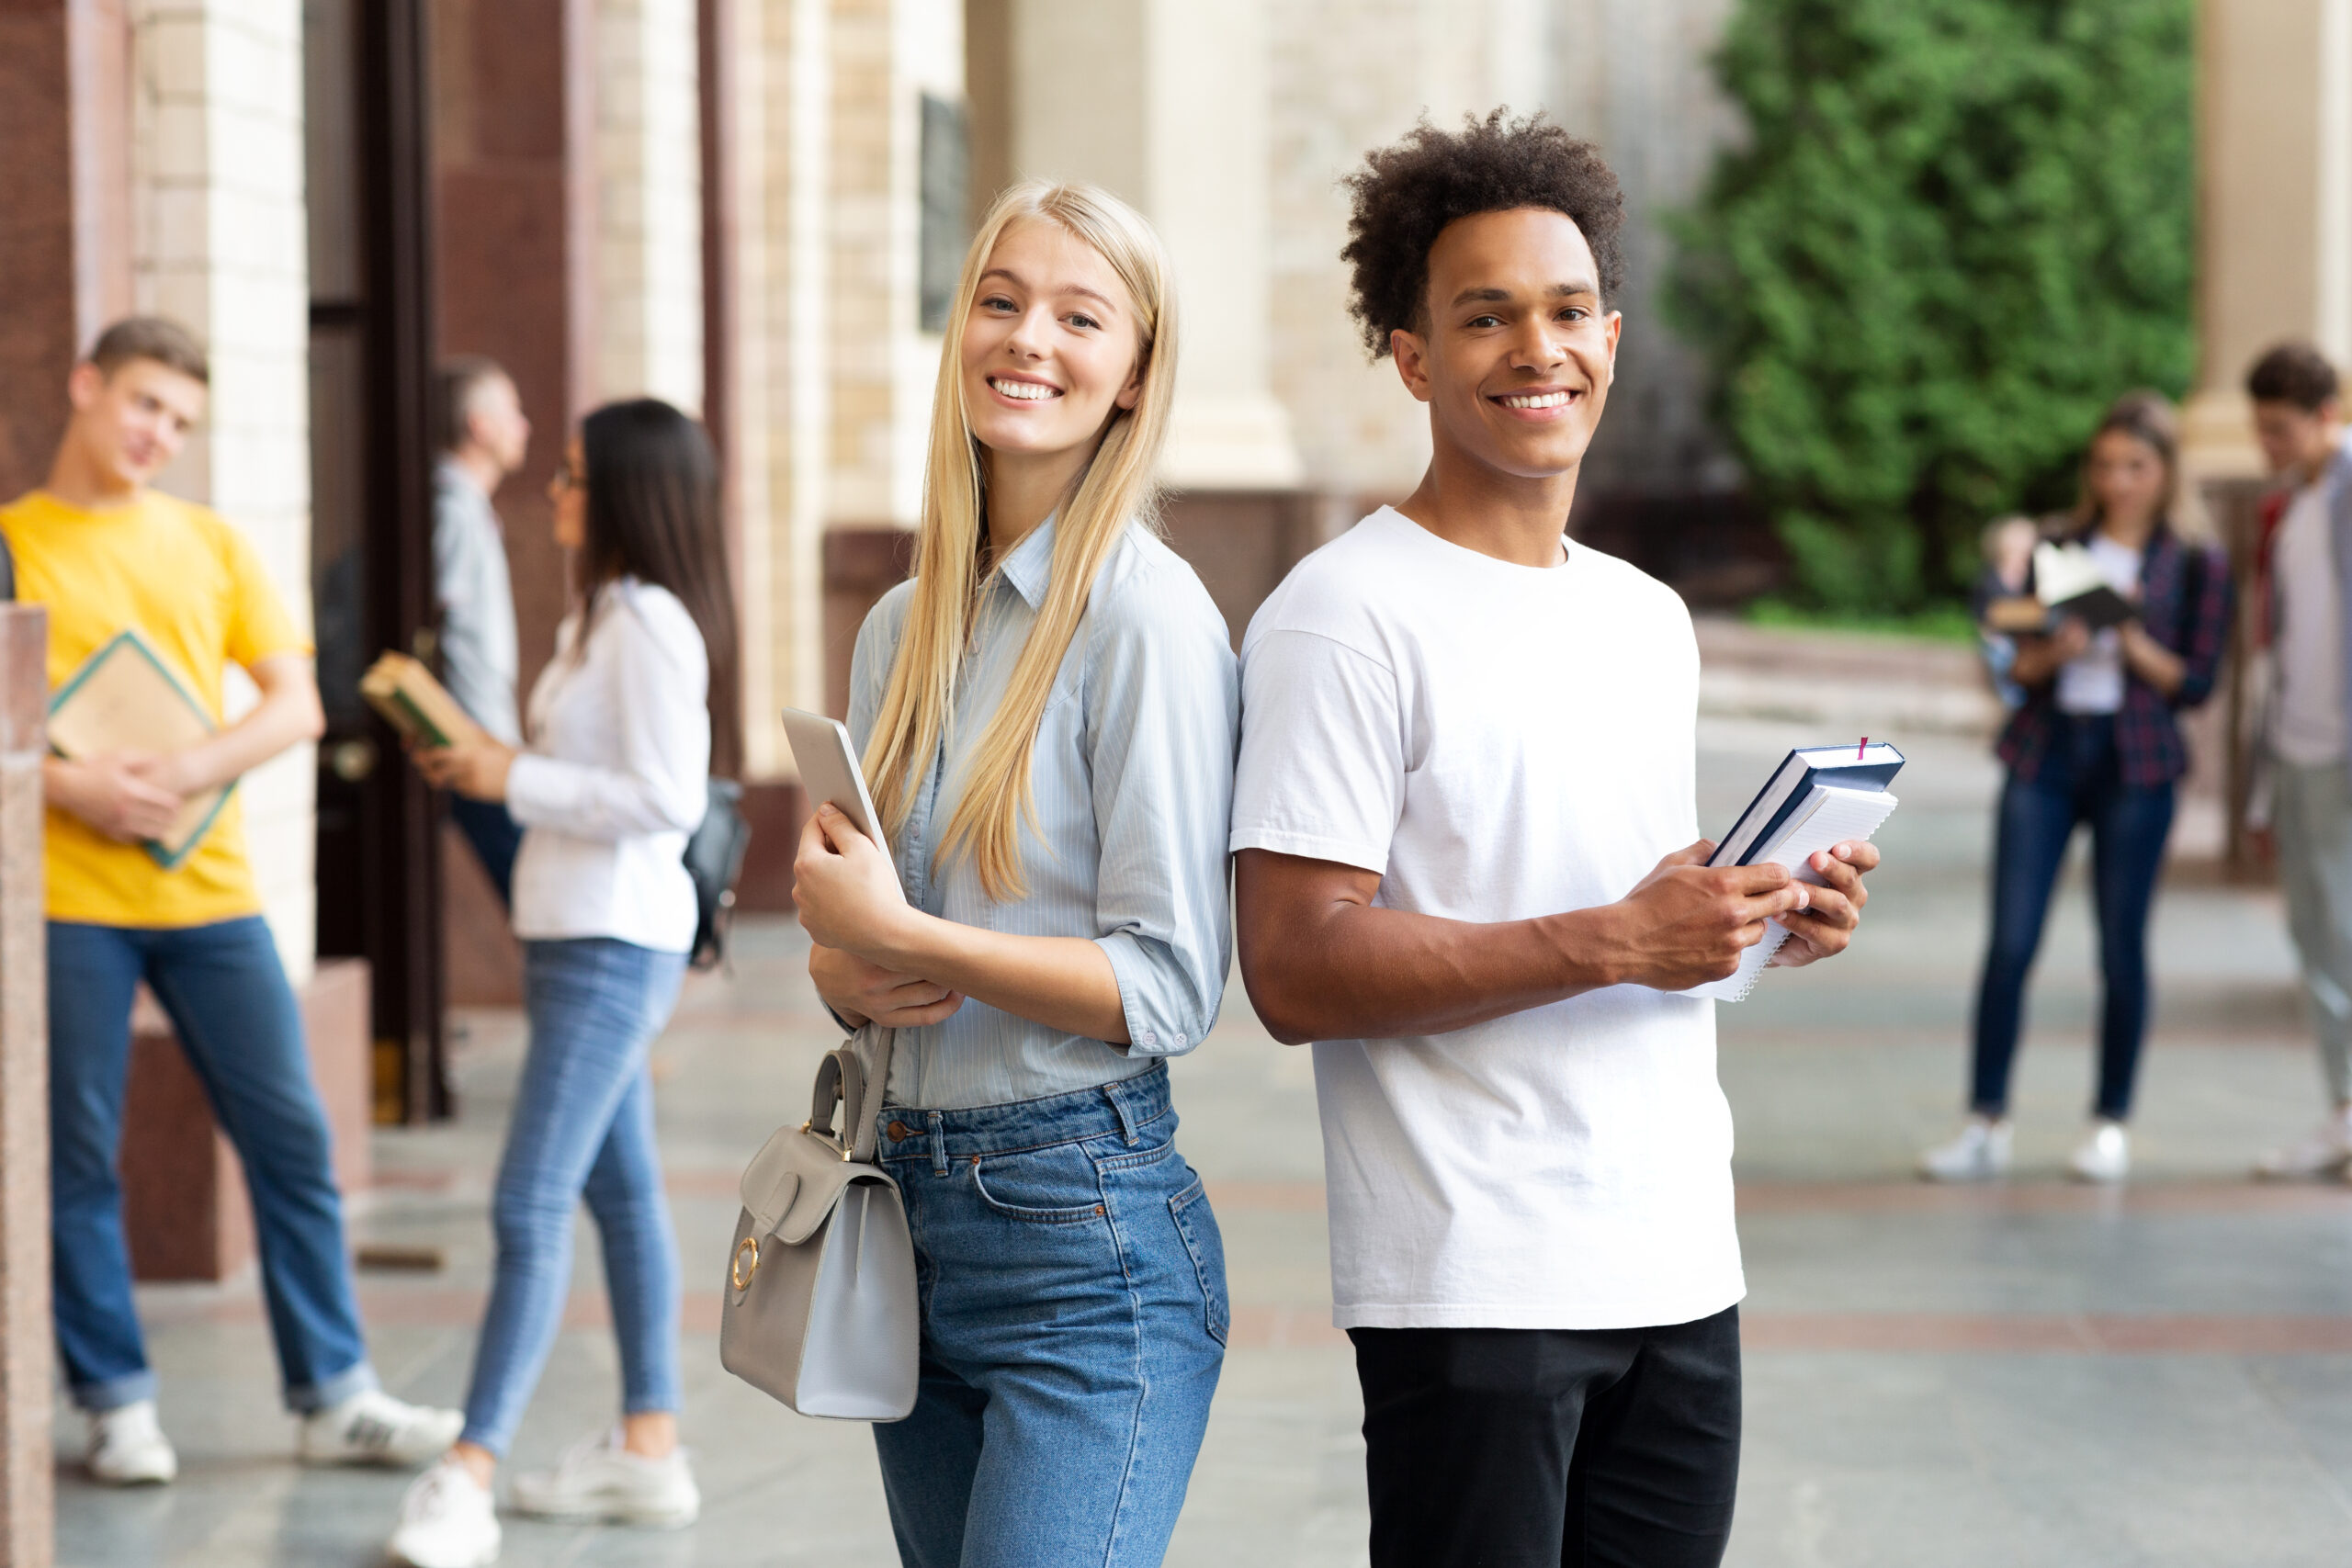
x=416, y=704
x=126, y=698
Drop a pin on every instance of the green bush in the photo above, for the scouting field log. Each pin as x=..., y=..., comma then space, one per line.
x=1955, y=230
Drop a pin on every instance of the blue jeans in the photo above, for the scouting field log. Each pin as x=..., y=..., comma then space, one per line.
x=583, y=1127
x=2080, y=781
x=227, y=996
x=496, y=838
x=1074, y=1325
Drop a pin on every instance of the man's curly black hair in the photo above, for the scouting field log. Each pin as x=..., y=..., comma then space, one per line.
x=1408, y=192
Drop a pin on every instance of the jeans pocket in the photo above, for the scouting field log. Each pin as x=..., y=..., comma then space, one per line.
x=1054, y=1186
x=1196, y=1222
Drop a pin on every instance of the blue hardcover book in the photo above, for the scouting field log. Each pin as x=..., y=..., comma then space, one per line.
x=1862, y=767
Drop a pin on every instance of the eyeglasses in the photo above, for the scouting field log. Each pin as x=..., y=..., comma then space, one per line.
x=567, y=477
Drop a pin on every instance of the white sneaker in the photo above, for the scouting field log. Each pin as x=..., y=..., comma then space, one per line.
x=2326, y=1150
x=599, y=1479
x=2105, y=1156
x=446, y=1521
x=128, y=1447
x=372, y=1428
x=1980, y=1153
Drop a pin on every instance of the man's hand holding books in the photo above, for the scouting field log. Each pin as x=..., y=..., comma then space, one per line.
x=127, y=795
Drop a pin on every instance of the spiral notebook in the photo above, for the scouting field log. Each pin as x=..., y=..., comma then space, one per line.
x=1826, y=814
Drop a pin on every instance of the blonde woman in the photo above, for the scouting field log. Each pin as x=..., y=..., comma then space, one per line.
x=1048, y=717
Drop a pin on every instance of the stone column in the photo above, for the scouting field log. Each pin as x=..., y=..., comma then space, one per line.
x=648, y=201
x=779, y=374
x=26, y=1392
x=884, y=57
x=2275, y=203
x=221, y=231
x=1171, y=113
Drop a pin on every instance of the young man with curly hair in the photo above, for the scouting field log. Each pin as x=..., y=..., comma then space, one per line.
x=1464, y=829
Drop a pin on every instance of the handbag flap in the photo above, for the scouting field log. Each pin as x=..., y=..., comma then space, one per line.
x=795, y=1180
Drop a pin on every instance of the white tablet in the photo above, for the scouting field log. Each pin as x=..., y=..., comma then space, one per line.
x=829, y=771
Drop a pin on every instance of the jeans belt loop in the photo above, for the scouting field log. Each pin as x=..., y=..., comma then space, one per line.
x=938, y=1144
x=1119, y=1108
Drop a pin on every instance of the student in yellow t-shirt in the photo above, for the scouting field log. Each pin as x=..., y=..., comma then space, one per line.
x=106, y=554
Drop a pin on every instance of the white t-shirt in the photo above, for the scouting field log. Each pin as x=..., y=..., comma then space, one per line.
x=1498, y=742
x=2309, y=729
x=2092, y=682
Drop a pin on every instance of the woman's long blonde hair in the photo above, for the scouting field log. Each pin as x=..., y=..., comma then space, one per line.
x=1116, y=488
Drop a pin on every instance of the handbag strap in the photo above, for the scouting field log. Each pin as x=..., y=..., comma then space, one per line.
x=854, y=1088
x=874, y=1085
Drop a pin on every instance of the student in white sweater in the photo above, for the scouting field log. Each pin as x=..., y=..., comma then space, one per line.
x=623, y=729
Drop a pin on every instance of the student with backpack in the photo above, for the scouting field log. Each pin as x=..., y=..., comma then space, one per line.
x=624, y=726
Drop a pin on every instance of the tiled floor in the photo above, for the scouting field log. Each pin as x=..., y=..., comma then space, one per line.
x=2030, y=1374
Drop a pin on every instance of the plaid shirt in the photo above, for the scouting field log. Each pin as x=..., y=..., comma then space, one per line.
x=2185, y=603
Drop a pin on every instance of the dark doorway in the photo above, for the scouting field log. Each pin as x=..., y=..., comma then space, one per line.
x=371, y=339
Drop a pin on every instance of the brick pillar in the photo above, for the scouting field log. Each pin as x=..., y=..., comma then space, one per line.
x=65, y=185
x=27, y=1504
x=514, y=172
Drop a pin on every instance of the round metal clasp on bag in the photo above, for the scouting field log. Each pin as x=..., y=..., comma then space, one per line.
x=738, y=1274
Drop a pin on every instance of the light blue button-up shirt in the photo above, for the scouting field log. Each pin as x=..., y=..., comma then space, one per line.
x=1133, y=780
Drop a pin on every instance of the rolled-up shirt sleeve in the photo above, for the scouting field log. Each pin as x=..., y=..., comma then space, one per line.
x=1163, y=715
x=661, y=780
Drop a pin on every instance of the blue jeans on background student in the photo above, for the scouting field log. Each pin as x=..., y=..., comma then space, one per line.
x=1074, y=1322
x=227, y=996
x=496, y=838
x=582, y=1126
x=2080, y=781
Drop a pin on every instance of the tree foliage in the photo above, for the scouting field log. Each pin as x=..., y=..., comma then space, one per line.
x=1955, y=231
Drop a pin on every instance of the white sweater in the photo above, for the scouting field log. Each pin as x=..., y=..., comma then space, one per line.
x=617, y=777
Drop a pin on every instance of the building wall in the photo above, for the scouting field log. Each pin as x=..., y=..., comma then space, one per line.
x=1350, y=75
x=648, y=202
x=220, y=245
x=1171, y=113
x=1632, y=76
x=786, y=327
x=2275, y=200
x=882, y=54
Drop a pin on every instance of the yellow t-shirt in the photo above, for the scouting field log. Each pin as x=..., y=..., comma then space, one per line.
x=195, y=588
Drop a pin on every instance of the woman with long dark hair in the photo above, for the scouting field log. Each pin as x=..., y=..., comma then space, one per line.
x=624, y=725
x=2097, y=741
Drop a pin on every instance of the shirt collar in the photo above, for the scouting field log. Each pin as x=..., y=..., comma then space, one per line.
x=1030, y=568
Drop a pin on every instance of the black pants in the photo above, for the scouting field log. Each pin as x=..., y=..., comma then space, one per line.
x=1543, y=1447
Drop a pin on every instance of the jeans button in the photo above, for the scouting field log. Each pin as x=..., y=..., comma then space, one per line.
x=900, y=1132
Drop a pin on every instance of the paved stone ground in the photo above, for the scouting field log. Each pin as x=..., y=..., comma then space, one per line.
x=2030, y=1374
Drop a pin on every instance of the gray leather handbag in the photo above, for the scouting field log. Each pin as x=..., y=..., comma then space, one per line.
x=820, y=1310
